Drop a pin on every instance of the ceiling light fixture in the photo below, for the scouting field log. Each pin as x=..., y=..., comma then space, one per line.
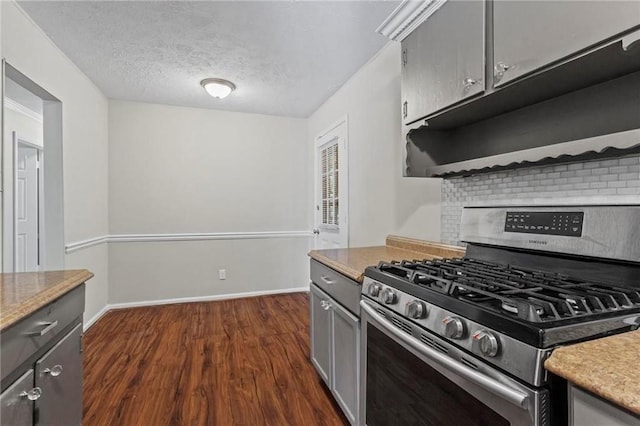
x=218, y=87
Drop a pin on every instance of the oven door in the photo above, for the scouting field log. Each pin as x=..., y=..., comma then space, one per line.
x=413, y=377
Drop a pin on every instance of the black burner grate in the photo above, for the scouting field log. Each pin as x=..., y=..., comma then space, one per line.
x=528, y=294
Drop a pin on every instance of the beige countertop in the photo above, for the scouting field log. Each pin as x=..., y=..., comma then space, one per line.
x=352, y=261
x=21, y=294
x=606, y=367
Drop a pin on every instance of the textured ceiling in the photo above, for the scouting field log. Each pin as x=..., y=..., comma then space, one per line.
x=285, y=57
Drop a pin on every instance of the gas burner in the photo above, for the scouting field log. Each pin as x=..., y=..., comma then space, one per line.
x=513, y=308
x=435, y=283
x=528, y=294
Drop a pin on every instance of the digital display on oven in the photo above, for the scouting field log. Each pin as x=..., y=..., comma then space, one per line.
x=568, y=224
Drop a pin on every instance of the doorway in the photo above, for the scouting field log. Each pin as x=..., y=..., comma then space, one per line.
x=332, y=187
x=32, y=202
x=27, y=205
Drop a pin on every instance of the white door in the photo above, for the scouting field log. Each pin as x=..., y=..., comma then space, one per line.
x=331, y=188
x=26, y=217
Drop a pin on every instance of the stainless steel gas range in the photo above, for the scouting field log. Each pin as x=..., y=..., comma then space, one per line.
x=463, y=341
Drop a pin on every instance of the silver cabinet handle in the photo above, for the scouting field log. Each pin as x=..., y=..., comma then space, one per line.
x=508, y=394
x=326, y=279
x=325, y=305
x=468, y=82
x=55, y=371
x=48, y=327
x=31, y=394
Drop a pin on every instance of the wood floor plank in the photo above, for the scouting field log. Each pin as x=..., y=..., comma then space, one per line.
x=232, y=362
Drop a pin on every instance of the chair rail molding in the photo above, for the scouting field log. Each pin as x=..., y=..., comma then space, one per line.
x=83, y=244
x=407, y=17
x=149, y=238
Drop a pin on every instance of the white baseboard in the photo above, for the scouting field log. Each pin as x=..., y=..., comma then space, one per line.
x=189, y=300
x=95, y=318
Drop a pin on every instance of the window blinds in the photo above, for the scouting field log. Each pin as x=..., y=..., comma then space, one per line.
x=330, y=196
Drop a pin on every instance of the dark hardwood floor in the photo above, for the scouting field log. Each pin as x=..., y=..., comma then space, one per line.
x=232, y=362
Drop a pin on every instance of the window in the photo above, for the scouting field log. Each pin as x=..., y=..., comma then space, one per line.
x=330, y=175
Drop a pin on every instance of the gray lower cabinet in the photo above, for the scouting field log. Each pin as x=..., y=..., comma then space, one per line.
x=17, y=408
x=589, y=410
x=41, y=359
x=51, y=392
x=320, y=335
x=335, y=349
x=59, y=376
x=443, y=59
x=528, y=35
x=345, y=356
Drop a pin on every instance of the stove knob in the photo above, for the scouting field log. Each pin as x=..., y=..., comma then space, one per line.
x=374, y=289
x=416, y=309
x=389, y=296
x=485, y=343
x=453, y=327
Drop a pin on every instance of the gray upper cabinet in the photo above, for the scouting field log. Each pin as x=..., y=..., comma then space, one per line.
x=528, y=35
x=443, y=59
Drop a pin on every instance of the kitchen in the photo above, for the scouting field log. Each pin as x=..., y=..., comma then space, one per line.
x=124, y=200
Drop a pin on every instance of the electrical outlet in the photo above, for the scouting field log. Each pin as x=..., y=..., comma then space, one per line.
x=222, y=274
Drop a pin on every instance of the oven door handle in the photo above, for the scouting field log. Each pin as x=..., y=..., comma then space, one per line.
x=508, y=394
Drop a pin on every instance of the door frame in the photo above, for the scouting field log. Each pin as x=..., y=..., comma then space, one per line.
x=17, y=141
x=52, y=242
x=343, y=167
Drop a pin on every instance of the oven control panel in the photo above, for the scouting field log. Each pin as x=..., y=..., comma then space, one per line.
x=568, y=224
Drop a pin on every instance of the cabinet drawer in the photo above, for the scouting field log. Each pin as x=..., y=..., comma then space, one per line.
x=344, y=290
x=28, y=336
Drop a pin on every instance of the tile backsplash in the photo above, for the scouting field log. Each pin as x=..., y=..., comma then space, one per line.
x=610, y=181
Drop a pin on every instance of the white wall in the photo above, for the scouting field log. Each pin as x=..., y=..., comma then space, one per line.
x=133, y=168
x=175, y=170
x=85, y=138
x=381, y=201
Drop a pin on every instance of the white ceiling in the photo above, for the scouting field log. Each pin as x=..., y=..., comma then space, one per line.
x=285, y=57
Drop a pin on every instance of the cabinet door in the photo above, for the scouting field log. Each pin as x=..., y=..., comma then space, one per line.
x=531, y=34
x=589, y=410
x=59, y=375
x=346, y=360
x=443, y=59
x=16, y=409
x=320, y=333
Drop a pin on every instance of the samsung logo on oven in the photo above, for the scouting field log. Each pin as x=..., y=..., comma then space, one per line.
x=538, y=242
